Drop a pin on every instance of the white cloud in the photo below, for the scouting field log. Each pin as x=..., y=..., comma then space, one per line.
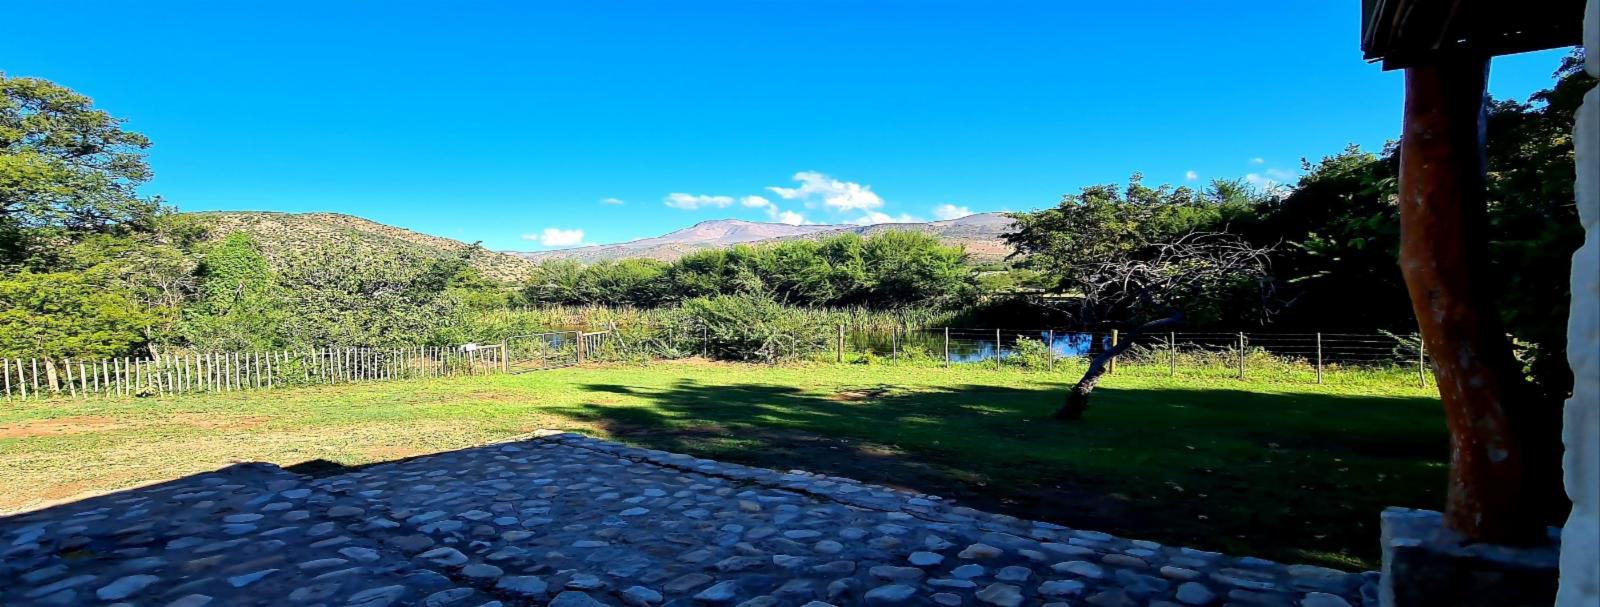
x=690, y=202
x=756, y=202
x=611, y=201
x=950, y=211
x=556, y=237
x=1191, y=175
x=877, y=217
x=1258, y=160
x=834, y=194
x=1280, y=175
x=789, y=217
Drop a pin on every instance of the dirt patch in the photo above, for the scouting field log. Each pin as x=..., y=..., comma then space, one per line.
x=76, y=424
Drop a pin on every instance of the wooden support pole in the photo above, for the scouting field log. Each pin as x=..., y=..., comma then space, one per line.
x=1501, y=482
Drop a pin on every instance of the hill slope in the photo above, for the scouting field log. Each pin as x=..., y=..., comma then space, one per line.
x=280, y=232
x=980, y=234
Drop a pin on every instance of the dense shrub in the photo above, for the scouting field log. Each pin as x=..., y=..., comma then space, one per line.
x=755, y=328
x=888, y=270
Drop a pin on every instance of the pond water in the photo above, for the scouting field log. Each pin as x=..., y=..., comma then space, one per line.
x=974, y=346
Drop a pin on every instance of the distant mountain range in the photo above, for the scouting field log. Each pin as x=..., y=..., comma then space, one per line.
x=281, y=233
x=981, y=234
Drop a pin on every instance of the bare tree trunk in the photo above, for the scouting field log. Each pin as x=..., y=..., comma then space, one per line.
x=1078, y=397
x=1498, y=471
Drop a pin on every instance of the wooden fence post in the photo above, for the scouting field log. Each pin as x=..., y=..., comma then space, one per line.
x=1241, y=355
x=996, y=348
x=1319, y=357
x=51, y=378
x=894, y=344
x=947, y=346
x=1172, y=354
x=1111, y=366
x=839, y=351
x=1050, y=349
x=1422, y=355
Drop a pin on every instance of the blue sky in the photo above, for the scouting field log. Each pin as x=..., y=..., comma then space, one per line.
x=520, y=124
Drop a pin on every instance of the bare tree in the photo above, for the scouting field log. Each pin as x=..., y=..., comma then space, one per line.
x=1164, y=279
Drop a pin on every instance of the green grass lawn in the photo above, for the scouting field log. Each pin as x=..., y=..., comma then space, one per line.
x=1288, y=471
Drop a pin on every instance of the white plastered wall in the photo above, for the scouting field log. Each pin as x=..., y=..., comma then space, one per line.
x=1580, y=539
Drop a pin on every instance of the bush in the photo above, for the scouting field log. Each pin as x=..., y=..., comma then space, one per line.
x=1030, y=353
x=754, y=328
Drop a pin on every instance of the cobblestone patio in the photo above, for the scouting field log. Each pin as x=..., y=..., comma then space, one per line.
x=568, y=520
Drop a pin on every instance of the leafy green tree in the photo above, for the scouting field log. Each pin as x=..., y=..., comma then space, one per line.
x=343, y=296
x=1533, y=222
x=555, y=282
x=475, y=292
x=66, y=169
x=1342, y=232
x=627, y=282
x=908, y=268
x=66, y=315
x=240, y=305
x=1108, y=254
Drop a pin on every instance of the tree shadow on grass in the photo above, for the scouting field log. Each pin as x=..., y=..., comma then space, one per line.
x=1292, y=476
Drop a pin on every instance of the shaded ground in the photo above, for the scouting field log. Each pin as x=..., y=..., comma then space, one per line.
x=592, y=522
x=1296, y=473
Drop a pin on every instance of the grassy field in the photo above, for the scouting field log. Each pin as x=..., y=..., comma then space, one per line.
x=1285, y=470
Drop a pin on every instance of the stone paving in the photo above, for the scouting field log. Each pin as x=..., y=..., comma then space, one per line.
x=571, y=521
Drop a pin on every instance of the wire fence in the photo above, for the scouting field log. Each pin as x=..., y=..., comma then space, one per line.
x=1277, y=357
x=1308, y=357
x=1284, y=357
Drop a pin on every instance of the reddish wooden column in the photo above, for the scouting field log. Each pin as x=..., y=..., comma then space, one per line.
x=1443, y=255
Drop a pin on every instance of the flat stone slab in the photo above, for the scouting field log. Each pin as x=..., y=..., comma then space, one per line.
x=564, y=518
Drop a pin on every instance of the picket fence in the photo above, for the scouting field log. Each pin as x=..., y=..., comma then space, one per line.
x=164, y=374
